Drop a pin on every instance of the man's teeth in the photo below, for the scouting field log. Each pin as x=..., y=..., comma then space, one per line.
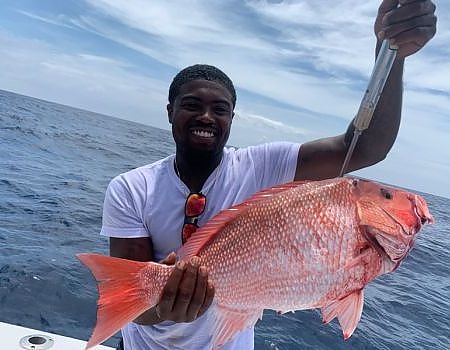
x=202, y=133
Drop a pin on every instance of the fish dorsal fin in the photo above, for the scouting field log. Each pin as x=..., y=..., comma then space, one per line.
x=274, y=190
x=228, y=322
x=348, y=310
x=208, y=231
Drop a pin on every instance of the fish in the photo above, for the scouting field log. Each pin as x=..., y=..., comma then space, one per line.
x=297, y=246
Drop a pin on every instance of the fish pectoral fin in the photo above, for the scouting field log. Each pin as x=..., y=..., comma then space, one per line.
x=348, y=310
x=228, y=322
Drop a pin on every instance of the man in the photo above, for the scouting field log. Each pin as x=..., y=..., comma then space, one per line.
x=150, y=211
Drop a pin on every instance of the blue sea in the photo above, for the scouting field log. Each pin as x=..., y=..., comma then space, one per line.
x=55, y=164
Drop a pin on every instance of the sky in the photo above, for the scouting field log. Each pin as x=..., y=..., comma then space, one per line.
x=300, y=68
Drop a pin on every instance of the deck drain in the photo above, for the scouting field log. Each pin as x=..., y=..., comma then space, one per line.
x=36, y=342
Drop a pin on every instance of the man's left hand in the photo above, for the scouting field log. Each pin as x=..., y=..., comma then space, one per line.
x=408, y=24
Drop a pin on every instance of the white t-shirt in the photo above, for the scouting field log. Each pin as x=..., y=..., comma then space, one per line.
x=149, y=202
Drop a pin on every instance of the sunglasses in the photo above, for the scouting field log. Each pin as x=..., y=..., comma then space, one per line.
x=193, y=208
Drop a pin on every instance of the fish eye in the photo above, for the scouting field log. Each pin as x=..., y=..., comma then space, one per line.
x=355, y=183
x=385, y=193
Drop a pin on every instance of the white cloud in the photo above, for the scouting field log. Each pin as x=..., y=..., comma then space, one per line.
x=249, y=128
x=97, y=83
x=60, y=20
x=309, y=35
x=314, y=56
x=253, y=64
x=264, y=122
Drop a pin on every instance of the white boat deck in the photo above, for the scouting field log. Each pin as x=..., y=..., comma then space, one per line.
x=11, y=336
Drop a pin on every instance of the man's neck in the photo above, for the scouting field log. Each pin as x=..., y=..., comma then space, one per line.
x=195, y=169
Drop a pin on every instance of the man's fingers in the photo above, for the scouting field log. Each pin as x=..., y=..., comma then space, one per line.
x=405, y=2
x=388, y=5
x=409, y=12
x=209, y=296
x=199, y=296
x=408, y=26
x=385, y=7
x=170, y=259
x=421, y=27
x=186, y=288
x=170, y=290
x=186, y=294
x=409, y=42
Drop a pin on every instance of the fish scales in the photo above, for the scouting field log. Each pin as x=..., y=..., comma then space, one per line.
x=285, y=249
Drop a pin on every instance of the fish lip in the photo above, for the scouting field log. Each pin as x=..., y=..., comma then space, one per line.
x=423, y=216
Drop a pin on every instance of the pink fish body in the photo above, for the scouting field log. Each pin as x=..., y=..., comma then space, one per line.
x=298, y=246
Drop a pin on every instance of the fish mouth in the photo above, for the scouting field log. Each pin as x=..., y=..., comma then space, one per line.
x=398, y=245
x=393, y=231
x=393, y=247
x=421, y=210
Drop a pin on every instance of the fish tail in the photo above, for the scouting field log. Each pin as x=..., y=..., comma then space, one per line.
x=122, y=296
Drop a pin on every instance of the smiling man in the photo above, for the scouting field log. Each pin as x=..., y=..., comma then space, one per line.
x=149, y=212
x=200, y=109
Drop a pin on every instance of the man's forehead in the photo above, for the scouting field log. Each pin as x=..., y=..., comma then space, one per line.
x=195, y=87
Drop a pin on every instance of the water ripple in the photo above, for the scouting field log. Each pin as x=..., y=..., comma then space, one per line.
x=56, y=163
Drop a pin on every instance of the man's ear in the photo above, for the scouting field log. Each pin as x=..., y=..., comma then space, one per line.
x=170, y=112
x=232, y=115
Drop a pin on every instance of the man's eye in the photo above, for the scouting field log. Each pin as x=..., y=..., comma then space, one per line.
x=190, y=106
x=221, y=110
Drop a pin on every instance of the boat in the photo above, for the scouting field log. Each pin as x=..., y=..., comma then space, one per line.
x=19, y=338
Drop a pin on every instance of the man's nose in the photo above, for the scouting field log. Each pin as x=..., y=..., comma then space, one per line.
x=207, y=114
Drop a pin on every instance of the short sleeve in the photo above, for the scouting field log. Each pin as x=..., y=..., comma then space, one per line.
x=122, y=211
x=275, y=163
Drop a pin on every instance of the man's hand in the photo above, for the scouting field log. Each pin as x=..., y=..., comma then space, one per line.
x=187, y=293
x=408, y=24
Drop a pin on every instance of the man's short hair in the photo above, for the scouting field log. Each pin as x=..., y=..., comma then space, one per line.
x=200, y=72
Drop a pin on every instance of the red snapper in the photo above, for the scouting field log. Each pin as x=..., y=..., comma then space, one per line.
x=297, y=246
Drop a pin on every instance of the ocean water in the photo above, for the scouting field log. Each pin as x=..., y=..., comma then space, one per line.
x=55, y=164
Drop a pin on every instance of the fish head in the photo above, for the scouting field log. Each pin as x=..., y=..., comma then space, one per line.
x=390, y=219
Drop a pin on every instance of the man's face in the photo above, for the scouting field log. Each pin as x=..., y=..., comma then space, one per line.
x=201, y=116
